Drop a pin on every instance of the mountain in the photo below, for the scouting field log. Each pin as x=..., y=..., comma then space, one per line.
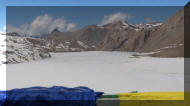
x=21, y=49
x=126, y=37
x=154, y=39
x=113, y=36
x=168, y=40
x=82, y=40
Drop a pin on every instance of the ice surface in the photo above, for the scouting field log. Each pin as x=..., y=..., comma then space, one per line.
x=111, y=72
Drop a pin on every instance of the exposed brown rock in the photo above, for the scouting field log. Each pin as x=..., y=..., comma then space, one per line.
x=125, y=37
x=170, y=33
x=164, y=40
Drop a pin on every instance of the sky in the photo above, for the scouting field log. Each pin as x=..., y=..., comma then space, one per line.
x=37, y=20
x=83, y=15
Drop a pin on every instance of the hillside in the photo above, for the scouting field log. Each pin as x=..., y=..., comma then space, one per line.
x=168, y=41
x=20, y=49
x=154, y=39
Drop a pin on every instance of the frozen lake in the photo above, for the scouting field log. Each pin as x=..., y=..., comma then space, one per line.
x=111, y=72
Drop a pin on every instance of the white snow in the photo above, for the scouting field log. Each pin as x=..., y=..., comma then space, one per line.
x=67, y=42
x=60, y=45
x=111, y=72
x=82, y=44
x=147, y=26
x=157, y=24
x=19, y=49
x=170, y=46
x=137, y=29
x=125, y=25
x=154, y=25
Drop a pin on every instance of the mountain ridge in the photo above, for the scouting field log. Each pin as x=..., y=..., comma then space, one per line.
x=155, y=39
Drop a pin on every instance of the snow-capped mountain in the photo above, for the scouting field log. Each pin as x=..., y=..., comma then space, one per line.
x=119, y=36
x=122, y=36
x=136, y=27
x=94, y=37
x=20, y=49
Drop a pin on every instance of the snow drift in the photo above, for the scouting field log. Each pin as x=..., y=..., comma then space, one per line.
x=110, y=72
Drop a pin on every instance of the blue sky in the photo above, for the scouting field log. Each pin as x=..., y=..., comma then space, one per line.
x=4, y=3
x=87, y=15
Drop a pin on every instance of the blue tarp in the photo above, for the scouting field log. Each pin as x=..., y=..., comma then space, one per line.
x=56, y=95
x=2, y=97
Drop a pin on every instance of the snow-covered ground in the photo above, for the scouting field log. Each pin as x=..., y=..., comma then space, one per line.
x=111, y=72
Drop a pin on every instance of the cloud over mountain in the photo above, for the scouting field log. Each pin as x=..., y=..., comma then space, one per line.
x=42, y=25
x=115, y=17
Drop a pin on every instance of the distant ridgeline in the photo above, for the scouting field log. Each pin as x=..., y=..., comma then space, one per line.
x=152, y=39
x=157, y=39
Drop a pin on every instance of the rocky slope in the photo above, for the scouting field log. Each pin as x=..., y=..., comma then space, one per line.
x=119, y=36
x=154, y=39
x=126, y=37
x=82, y=40
x=168, y=40
x=21, y=49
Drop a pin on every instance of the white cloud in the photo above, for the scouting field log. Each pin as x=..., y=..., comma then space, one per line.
x=22, y=30
x=71, y=26
x=40, y=25
x=115, y=17
x=43, y=25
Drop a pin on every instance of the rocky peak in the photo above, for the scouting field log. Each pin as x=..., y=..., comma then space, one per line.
x=13, y=34
x=116, y=25
x=55, y=31
x=91, y=27
x=121, y=23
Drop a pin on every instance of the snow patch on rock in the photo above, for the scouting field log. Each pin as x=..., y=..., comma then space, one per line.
x=82, y=44
x=19, y=49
